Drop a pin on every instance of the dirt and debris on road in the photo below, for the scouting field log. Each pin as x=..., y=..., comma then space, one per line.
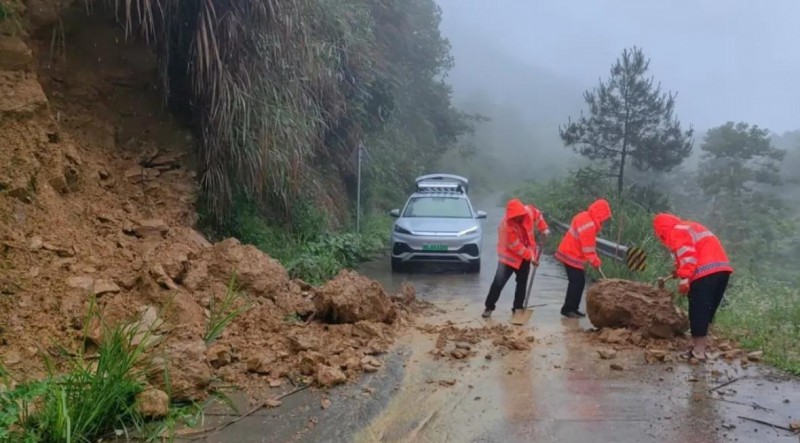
x=457, y=343
x=619, y=303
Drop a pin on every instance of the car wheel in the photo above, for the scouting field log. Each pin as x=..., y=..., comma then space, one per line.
x=474, y=266
x=397, y=265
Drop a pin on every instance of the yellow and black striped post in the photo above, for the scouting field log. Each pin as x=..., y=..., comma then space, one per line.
x=636, y=259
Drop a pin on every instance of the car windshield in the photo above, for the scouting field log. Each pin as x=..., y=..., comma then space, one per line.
x=438, y=207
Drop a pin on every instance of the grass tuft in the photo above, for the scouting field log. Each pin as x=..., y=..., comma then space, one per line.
x=95, y=398
x=225, y=311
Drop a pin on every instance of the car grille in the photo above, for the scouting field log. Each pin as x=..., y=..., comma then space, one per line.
x=402, y=248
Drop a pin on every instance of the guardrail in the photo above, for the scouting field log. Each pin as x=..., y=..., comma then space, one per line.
x=606, y=248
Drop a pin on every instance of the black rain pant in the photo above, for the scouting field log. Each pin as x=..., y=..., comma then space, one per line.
x=501, y=278
x=705, y=296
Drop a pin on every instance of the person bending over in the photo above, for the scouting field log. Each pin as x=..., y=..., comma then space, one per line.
x=703, y=268
x=578, y=246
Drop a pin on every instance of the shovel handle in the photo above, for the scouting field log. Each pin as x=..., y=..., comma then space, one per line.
x=601, y=273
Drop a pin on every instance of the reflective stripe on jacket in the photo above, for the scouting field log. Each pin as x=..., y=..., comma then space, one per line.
x=535, y=220
x=698, y=252
x=579, y=244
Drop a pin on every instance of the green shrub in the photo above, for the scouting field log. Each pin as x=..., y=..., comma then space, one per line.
x=307, y=248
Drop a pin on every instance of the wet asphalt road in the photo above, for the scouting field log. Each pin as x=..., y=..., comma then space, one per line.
x=561, y=391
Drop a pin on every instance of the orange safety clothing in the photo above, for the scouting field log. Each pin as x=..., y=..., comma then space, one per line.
x=696, y=250
x=514, y=242
x=579, y=244
x=536, y=219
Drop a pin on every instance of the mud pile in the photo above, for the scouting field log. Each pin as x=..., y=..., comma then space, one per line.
x=625, y=304
x=457, y=343
x=667, y=350
x=100, y=199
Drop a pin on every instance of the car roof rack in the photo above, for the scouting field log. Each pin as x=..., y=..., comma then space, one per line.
x=442, y=183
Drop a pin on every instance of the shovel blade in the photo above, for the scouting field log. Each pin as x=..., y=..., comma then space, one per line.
x=521, y=316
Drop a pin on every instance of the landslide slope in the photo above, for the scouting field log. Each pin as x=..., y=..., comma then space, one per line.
x=97, y=200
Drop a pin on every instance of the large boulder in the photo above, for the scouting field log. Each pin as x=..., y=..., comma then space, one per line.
x=625, y=304
x=350, y=298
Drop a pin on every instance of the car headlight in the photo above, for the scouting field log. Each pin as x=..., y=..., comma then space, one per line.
x=401, y=230
x=468, y=231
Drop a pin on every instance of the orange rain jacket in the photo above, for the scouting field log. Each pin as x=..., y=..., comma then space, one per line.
x=697, y=251
x=536, y=219
x=579, y=244
x=514, y=241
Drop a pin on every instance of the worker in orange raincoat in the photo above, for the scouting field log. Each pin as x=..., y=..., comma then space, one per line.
x=703, y=268
x=579, y=246
x=515, y=252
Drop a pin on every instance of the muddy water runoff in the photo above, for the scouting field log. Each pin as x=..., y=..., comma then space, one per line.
x=560, y=391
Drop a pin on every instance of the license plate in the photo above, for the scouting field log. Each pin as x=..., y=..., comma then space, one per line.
x=434, y=247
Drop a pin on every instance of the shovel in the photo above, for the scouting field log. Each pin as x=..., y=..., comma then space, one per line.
x=522, y=316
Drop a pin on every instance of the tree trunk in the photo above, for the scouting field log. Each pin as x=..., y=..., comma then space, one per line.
x=621, y=175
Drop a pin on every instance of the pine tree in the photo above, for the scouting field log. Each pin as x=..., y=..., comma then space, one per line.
x=630, y=121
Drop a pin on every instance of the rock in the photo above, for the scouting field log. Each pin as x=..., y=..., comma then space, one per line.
x=458, y=354
x=160, y=276
x=367, y=329
x=14, y=54
x=101, y=287
x=35, y=243
x=407, y=295
x=615, y=336
x=618, y=303
x=189, y=371
x=370, y=364
x=27, y=100
x=755, y=356
x=795, y=426
x=153, y=403
x=304, y=342
x=309, y=361
x=656, y=355
x=164, y=161
x=275, y=383
x=11, y=358
x=261, y=362
x=328, y=376
x=219, y=355
x=150, y=228
x=257, y=274
x=272, y=403
x=350, y=298
x=616, y=367
x=607, y=354
x=61, y=252
x=85, y=283
x=448, y=382
x=325, y=403
x=464, y=346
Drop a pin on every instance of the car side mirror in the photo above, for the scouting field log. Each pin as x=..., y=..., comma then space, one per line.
x=480, y=214
x=394, y=213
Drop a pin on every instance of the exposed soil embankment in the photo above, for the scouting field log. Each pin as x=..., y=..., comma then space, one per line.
x=97, y=197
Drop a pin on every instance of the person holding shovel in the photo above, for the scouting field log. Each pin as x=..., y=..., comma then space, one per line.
x=703, y=268
x=578, y=246
x=515, y=253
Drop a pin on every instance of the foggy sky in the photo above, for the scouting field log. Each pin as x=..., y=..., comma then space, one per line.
x=727, y=59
